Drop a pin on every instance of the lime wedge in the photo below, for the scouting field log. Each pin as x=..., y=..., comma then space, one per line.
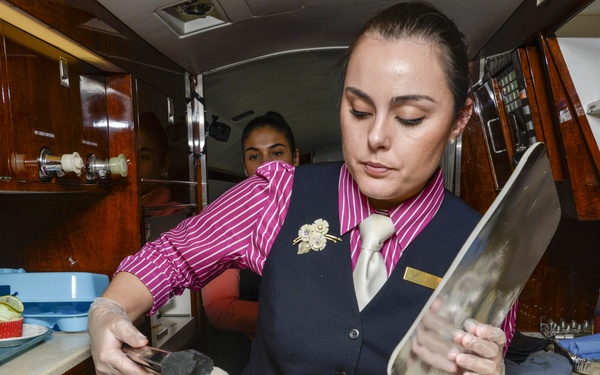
x=13, y=302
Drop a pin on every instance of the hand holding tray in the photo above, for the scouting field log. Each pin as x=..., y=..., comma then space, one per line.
x=494, y=264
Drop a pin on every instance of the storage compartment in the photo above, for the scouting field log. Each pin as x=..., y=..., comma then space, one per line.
x=57, y=300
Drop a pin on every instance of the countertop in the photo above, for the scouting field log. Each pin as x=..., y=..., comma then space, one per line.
x=63, y=351
x=57, y=354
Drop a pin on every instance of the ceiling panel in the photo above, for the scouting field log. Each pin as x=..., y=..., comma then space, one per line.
x=283, y=62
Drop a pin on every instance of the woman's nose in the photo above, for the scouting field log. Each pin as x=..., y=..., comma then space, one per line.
x=379, y=135
x=266, y=157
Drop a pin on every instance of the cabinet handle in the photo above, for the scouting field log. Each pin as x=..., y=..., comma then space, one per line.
x=63, y=68
x=491, y=135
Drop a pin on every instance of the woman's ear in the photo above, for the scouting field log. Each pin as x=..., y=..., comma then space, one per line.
x=462, y=119
x=296, y=158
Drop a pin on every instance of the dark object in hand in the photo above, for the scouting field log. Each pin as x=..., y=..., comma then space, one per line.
x=158, y=361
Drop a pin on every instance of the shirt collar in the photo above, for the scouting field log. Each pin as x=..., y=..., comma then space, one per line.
x=418, y=210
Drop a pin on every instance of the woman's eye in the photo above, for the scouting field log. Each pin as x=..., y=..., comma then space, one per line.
x=277, y=153
x=411, y=122
x=359, y=114
x=253, y=157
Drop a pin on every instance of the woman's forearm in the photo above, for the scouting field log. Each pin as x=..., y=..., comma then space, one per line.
x=127, y=290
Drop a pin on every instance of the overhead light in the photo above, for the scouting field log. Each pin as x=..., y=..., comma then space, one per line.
x=196, y=9
x=192, y=16
x=242, y=116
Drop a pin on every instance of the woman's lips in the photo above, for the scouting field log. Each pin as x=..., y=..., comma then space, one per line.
x=376, y=169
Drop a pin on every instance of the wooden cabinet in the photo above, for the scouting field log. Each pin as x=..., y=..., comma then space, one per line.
x=70, y=222
x=54, y=104
x=580, y=149
x=84, y=368
x=564, y=285
x=92, y=111
x=527, y=96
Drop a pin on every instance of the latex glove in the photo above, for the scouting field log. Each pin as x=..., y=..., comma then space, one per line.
x=109, y=326
x=484, y=345
x=477, y=350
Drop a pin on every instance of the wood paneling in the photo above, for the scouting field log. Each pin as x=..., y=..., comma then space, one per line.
x=477, y=186
x=74, y=224
x=555, y=58
x=39, y=112
x=84, y=368
x=113, y=40
x=43, y=112
x=564, y=285
x=580, y=148
x=81, y=231
x=542, y=109
x=6, y=144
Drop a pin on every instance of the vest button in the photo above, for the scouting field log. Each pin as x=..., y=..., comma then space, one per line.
x=353, y=334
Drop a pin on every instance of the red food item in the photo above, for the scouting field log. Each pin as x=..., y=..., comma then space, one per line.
x=13, y=328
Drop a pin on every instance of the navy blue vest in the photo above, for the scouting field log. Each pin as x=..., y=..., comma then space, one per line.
x=309, y=322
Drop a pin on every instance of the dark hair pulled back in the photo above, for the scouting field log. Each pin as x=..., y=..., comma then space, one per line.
x=273, y=120
x=423, y=21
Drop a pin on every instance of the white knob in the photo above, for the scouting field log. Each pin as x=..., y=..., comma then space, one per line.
x=118, y=165
x=71, y=163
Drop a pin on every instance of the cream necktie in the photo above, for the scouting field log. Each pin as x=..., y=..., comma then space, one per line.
x=370, y=272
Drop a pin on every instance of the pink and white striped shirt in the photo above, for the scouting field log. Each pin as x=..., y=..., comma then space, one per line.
x=238, y=230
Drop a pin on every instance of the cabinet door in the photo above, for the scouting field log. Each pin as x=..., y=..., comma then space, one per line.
x=168, y=194
x=55, y=101
x=167, y=178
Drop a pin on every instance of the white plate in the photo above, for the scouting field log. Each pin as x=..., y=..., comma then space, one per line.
x=30, y=331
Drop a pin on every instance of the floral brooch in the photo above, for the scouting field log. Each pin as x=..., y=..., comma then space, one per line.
x=314, y=237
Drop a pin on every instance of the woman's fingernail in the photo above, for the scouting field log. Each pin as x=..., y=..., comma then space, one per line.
x=469, y=323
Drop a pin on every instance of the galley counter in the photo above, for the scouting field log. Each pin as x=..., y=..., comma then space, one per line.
x=69, y=353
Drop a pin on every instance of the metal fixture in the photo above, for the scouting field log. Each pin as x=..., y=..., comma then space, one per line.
x=192, y=16
x=49, y=164
x=99, y=169
x=63, y=68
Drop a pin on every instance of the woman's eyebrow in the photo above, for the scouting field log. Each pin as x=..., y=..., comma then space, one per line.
x=395, y=100
x=359, y=93
x=411, y=98
x=274, y=145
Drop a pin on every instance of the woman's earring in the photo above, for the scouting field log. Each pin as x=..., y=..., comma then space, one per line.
x=452, y=141
x=164, y=174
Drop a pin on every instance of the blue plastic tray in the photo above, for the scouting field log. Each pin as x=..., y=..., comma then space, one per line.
x=57, y=300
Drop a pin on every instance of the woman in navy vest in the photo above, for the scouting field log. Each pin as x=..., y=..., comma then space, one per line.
x=405, y=97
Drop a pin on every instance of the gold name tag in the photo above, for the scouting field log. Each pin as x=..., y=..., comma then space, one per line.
x=422, y=278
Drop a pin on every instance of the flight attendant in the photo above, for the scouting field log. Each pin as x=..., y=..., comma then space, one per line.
x=405, y=97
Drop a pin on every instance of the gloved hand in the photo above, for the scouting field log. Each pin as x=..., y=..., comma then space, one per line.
x=477, y=350
x=484, y=345
x=108, y=327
